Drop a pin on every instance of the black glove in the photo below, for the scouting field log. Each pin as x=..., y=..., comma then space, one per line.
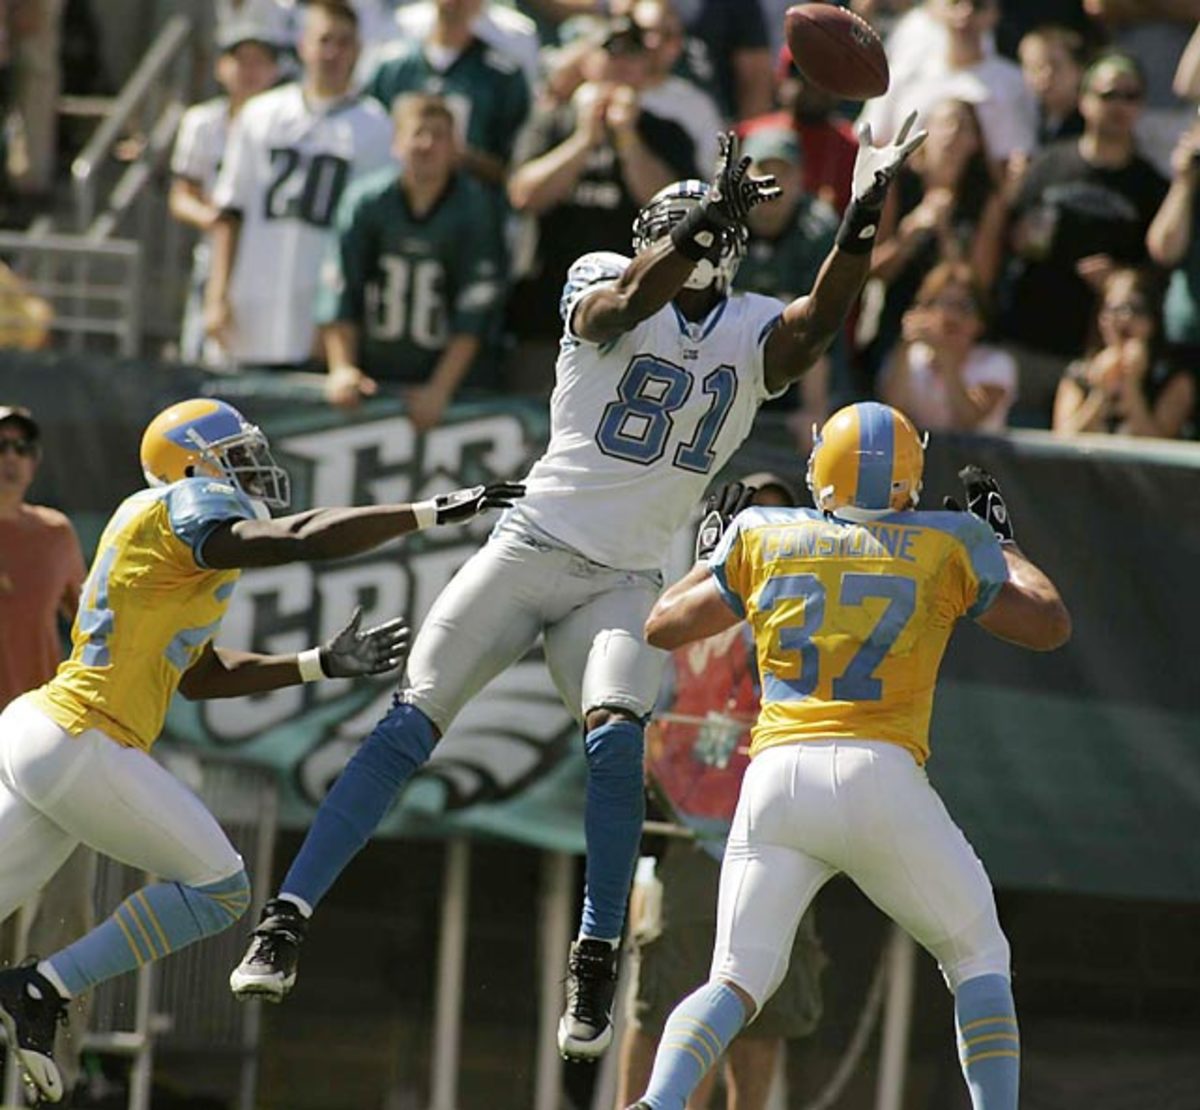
x=985, y=500
x=352, y=653
x=731, y=194
x=720, y=508
x=464, y=504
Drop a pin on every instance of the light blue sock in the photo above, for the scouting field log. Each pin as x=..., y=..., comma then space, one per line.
x=394, y=751
x=989, y=1047
x=614, y=809
x=693, y=1040
x=148, y=925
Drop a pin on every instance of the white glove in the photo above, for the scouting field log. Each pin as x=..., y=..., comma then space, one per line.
x=875, y=166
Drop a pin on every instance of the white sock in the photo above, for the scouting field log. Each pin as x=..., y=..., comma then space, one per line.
x=612, y=942
x=300, y=904
x=46, y=970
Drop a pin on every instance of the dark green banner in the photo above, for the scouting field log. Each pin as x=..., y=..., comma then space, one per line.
x=1077, y=771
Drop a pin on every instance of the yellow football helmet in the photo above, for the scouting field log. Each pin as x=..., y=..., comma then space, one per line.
x=867, y=457
x=209, y=437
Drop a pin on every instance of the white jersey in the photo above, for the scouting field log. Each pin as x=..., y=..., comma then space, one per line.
x=286, y=164
x=200, y=143
x=639, y=426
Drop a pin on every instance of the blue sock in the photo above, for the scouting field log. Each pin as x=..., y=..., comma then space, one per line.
x=148, y=925
x=614, y=809
x=693, y=1040
x=988, y=1045
x=395, y=750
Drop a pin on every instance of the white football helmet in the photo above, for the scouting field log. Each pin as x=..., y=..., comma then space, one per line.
x=670, y=205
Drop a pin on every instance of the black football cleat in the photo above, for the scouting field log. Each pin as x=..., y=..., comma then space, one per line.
x=268, y=969
x=30, y=1010
x=585, y=1029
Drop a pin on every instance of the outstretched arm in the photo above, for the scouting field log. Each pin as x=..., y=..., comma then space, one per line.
x=338, y=533
x=658, y=273
x=224, y=673
x=810, y=323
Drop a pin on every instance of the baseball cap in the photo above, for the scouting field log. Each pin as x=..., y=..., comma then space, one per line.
x=772, y=142
x=765, y=478
x=22, y=416
x=231, y=35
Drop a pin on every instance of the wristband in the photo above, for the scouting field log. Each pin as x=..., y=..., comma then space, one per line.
x=859, y=227
x=426, y=514
x=696, y=234
x=309, y=663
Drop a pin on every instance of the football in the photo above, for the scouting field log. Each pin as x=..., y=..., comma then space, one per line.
x=836, y=50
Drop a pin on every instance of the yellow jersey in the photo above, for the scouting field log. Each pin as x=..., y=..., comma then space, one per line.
x=148, y=607
x=851, y=620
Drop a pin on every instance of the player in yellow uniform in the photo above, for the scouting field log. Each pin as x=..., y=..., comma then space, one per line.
x=74, y=762
x=851, y=605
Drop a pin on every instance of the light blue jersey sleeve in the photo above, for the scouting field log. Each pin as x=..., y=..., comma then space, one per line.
x=196, y=506
x=728, y=561
x=587, y=274
x=984, y=555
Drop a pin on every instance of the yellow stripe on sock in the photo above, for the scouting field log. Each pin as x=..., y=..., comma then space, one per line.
x=713, y=1043
x=137, y=955
x=1009, y=1052
x=136, y=919
x=684, y=1046
x=153, y=918
x=990, y=1037
x=999, y=1019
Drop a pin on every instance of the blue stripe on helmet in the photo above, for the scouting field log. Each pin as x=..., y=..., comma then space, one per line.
x=876, y=453
x=221, y=423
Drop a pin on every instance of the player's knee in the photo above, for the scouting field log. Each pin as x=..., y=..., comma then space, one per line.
x=218, y=905
x=616, y=743
x=981, y=949
x=608, y=715
x=405, y=733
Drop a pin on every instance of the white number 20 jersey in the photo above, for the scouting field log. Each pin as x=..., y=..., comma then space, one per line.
x=640, y=425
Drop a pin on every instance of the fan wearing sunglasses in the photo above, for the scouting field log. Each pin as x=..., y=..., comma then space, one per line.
x=1125, y=385
x=41, y=565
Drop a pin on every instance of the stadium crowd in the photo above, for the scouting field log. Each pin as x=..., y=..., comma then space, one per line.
x=1035, y=266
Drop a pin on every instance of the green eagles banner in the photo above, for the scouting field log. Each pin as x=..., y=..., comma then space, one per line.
x=1078, y=770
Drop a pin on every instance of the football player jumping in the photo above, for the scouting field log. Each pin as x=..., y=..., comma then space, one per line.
x=851, y=605
x=74, y=762
x=659, y=377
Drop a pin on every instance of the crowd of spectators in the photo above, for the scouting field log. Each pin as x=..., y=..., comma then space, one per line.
x=1035, y=265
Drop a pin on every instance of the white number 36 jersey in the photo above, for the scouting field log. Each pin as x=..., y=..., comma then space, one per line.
x=640, y=425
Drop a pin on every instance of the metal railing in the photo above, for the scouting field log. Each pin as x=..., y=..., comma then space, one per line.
x=157, y=83
x=106, y=291
x=94, y=287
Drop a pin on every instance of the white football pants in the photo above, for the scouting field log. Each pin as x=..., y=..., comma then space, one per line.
x=520, y=584
x=809, y=810
x=58, y=790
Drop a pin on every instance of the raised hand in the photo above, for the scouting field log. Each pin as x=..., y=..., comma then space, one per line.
x=465, y=504
x=876, y=166
x=351, y=653
x=984, y=500
x=733, y=191
x=719, y=510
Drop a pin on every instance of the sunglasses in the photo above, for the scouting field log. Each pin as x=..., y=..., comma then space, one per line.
x=25, y=448
x=1127, y=96
x=1126, y=311
x=953, y=304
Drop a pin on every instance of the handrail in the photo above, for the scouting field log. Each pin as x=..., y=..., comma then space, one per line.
x=158, y=59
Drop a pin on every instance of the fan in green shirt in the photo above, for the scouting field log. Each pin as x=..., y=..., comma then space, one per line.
x=414, y=279
x=485, y=89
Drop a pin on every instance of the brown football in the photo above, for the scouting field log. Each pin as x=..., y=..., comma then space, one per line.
x=836, y=50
